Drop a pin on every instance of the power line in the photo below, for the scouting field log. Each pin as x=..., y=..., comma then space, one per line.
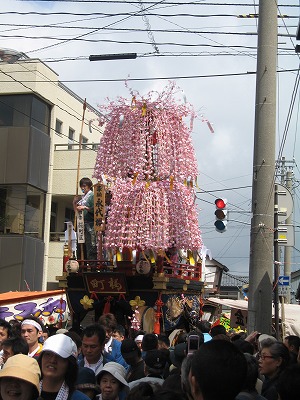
x=160, y=78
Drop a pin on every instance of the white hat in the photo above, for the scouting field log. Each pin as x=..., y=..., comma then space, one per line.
x=61, y=345
x=116, y=370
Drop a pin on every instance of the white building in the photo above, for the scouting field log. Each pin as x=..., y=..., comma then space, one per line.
x=40, y=126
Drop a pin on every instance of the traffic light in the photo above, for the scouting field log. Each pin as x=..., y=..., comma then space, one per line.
x=221, y=215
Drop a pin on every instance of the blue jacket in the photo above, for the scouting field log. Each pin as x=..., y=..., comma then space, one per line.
x=77, y=395
x=115, y=354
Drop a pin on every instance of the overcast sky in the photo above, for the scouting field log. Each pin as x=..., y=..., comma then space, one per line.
x=208, y=50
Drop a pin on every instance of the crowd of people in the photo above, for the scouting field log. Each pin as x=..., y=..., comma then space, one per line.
x=101, y=363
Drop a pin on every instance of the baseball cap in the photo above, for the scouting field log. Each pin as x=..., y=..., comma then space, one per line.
x=116, y=370
x=22, y=367
x=61, y=345
x=156, y=359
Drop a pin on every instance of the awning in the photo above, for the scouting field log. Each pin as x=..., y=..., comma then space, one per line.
x=291, y=311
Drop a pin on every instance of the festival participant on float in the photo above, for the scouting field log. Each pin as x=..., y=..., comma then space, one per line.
x=112, y=347
x=86, y=204
x=274, y=357
x=93, y=341
x=31, y=331
x=112, y=382
x=20, y=378
x=59, y=369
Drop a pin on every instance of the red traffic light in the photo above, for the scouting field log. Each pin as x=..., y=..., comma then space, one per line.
x=220, y=203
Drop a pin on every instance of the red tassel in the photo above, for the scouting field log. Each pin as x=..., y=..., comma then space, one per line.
x=94, y=296
x=106, y=309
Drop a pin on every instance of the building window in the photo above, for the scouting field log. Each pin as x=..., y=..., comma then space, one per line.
x=40, y=115
x=58, y=127
x=84, y=142
x=23, y=210
x=24, y=110
x=71, y=138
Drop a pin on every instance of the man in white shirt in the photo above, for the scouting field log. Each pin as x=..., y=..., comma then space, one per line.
x=93, y=341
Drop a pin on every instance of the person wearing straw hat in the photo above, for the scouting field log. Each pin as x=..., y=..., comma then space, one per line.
x=112, y=382
x=20, y=378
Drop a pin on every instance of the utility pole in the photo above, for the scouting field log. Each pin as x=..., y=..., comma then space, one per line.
x=262, y=223
x=288, y=249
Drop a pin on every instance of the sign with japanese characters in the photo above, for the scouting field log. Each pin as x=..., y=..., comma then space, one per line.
x=80, y=227
x=99, y=207
x=50, y=309
x=105, y=283
x=238, y=318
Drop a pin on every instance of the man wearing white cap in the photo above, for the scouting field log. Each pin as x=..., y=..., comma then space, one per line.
x=31, y=331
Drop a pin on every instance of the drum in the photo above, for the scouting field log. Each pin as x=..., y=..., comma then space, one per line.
x=146, y=318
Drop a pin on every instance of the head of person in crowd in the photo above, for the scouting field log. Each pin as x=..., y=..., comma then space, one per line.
x=149, y=342
x=178, y=354
x=46, y=333
x=31, y=331
x=142, y=391
x=155, y=362
x=85, y=184
x=5, y=331
x=15, y=327
x=138, y=338
x=20, y=378
x=244, y=346
x=218, y=330
x=292, y=342
x=76, y=338
x=13, y=346
x=288, y=386
x=130, y=351
x=249, y=385
x=109, y=323
x=167, y=394
x=93, y=341
x=119, y=333
x=163, y=342
x=264, y=338
x=86, y=383
x=58, y=365
x=204, y=326
x=274, y=357
x=218, y=371
x=185, y=372
x=112, y=381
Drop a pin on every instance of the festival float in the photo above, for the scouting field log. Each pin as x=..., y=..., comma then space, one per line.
x=151, y=260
